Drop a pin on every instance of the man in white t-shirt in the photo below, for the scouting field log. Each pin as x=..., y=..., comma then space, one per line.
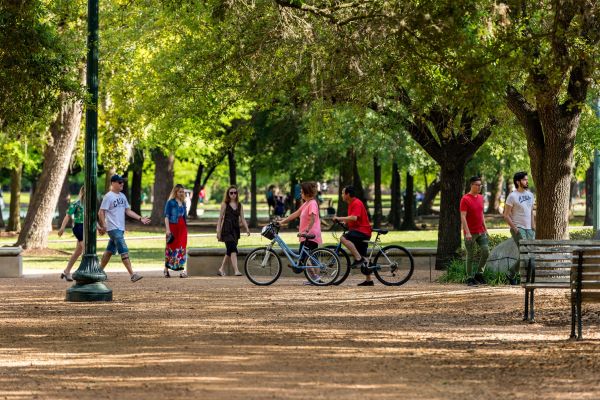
x=519, y=214
x=112, y=221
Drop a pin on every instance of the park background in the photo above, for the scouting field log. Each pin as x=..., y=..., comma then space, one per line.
x=392, y=98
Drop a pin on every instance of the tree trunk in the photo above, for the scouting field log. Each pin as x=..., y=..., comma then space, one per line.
x=394, y=215
x=426, y=206
x=196, y=191
x=345, y=179
x=253, y=214
x=378, y=209
x=408, y=223
x=107, y=175
x=495, y=192
x=232, y=167
x=589, y=196
x=64, y=199
x=137, y=169
x=550, y=130
x=163, y=184
x=449, y=240
x=64, y=132
x=14, y=214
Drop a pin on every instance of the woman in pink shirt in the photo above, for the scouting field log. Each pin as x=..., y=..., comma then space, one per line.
x=310, y=223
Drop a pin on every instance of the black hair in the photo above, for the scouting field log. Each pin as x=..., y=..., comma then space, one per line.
x=350, y=191
x=518, y=176
x=474, y=179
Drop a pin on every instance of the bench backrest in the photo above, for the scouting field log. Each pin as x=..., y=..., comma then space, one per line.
x=585, y=275
x=552, y=260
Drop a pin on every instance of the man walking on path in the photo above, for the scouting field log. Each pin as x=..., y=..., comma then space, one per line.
x=519, y=215
x=112, y=221
x=359, y=230
x=473, y=224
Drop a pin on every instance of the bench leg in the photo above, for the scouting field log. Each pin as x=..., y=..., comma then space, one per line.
x=579, y=322
x=526, y=313
x=531, y=303
x=573, y=318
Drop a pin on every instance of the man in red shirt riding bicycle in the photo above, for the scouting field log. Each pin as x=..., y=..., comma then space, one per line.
x=359, y=230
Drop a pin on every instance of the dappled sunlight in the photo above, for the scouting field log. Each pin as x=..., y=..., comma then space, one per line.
x=227, y=339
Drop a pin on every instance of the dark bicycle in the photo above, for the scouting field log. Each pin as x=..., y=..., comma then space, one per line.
x=393, y=265
x=321, y=266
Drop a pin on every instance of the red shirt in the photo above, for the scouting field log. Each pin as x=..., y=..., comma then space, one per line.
x=473, y=205
x=357, y=208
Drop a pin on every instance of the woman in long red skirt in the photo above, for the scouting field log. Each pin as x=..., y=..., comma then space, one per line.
x=176, y=230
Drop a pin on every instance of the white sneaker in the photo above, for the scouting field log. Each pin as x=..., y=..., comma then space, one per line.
x=136, y=277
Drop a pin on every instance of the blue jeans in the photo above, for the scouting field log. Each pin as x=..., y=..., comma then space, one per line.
x=527, y=234
x=117, y=242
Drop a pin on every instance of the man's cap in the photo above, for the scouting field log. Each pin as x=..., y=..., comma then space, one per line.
x=117, y=178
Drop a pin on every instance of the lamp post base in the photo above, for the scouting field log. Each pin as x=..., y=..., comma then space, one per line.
x=96, y=291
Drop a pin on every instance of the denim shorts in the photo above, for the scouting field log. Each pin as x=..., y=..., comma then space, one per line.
x=78, y=231
x=116, y=243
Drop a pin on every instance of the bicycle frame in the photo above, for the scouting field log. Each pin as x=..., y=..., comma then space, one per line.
x=293, y=257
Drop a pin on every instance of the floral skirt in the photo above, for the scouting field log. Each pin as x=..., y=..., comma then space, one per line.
x=176, y=251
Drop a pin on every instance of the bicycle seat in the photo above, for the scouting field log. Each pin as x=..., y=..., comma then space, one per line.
x=381, y=231
x=307, y=235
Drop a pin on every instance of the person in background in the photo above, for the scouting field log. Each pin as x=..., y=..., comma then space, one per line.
x=473, y=224
x=270, y=196
x=310, y=223
x=176, y=232
x=112, y=213
x=74, y=212
x=519, y=215
x=359, y=230
x=228, y=228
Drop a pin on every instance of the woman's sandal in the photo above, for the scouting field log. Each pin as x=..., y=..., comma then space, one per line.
x=183, y=275
x=220, y=273
x=166, y=274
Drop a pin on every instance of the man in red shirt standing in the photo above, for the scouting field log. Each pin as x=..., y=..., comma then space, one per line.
x=359, y=230
x=473, y=224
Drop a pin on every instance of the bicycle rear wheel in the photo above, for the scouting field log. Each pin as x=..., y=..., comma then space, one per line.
x=345, y=264
x=262, y=266
x=326, y=267
x=394, y=265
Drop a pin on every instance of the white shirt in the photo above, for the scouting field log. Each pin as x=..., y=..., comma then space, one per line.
x=115, y=205
x=522, y=205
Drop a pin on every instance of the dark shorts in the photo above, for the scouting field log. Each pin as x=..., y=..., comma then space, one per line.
x=359, y=240
x=78, y=231
x=310, y=245
x=231, y=247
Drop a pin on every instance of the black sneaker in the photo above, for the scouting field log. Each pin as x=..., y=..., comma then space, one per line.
x=366, y=283
x=480, y=279
x=472, y=282
x=357, y=263
x=512, y=280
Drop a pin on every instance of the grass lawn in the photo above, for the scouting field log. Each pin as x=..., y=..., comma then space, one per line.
x=147, y=247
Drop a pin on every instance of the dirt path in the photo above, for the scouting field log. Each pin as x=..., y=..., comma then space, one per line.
x=221, y=338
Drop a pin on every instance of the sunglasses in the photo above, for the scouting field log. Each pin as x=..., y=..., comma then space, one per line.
x=119, y=182
x=232, y=193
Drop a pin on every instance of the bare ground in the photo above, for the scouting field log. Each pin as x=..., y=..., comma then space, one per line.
x=223, y=338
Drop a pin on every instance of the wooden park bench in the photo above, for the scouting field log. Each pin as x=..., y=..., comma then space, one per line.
x=585, y=284
x=547, y=264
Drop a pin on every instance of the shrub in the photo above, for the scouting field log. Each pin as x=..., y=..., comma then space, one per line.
x=457, y=272
x=583, y=234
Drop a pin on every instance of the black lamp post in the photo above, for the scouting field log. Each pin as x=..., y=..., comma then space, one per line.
x=89, y=276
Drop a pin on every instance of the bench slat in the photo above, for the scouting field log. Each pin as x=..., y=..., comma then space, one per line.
x=590, y=296
x=548, y=285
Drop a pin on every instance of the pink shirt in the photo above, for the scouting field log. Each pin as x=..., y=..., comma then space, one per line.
x=307, y=209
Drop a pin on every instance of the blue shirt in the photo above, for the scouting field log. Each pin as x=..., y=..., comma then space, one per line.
x=173, y=211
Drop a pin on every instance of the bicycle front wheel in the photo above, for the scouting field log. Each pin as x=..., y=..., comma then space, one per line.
x=394, y=265
x=262, y=266
x=326, y=267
